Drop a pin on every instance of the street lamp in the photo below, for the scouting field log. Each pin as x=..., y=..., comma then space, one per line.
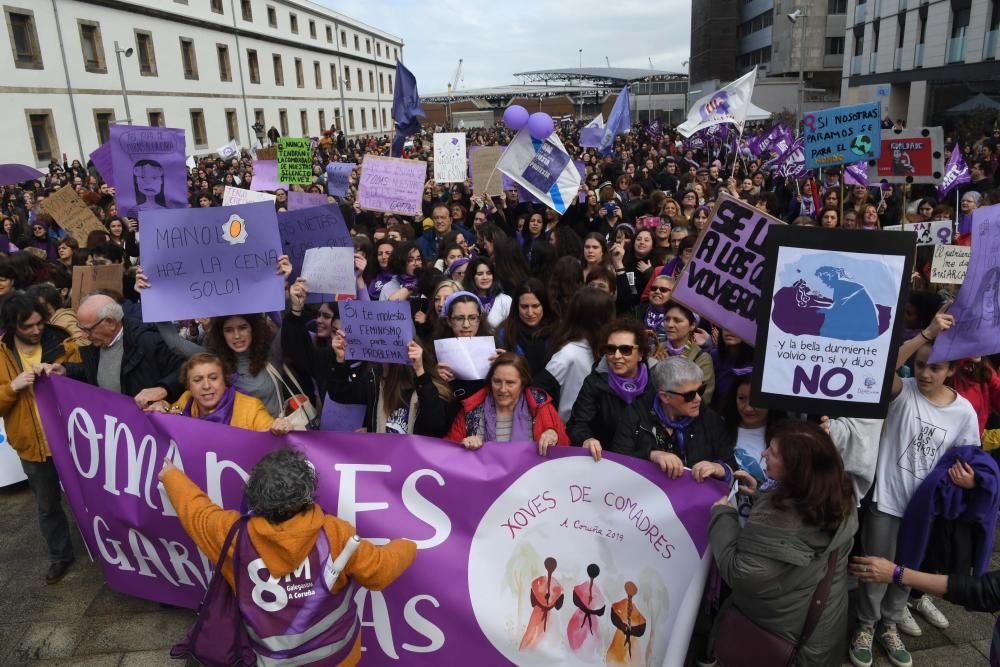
x=121, y=77
x=794, y=18
x=581, y=92
x=687, y=90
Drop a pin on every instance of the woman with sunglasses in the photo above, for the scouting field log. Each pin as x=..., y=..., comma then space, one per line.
x=653, y=313
x=617, y=385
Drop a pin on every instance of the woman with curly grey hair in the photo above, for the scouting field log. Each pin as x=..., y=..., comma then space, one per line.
x=295, y=604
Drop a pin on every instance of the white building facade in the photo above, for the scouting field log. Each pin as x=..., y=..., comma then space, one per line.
x=211, y=67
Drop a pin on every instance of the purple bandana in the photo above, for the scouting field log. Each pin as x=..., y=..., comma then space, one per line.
x=406, y=281
x=628, y=388
x=223, y=413
x=377, y=283
x=678, y=425
x=521, y=428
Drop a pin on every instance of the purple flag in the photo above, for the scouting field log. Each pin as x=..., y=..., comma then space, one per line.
x=149, y=168
x=792, y=164
x=102, y=162
x=406, y=109
x=956, y=172
x=486, y=523
x=856, y=173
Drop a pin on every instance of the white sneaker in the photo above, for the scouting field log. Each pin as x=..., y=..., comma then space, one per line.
x=932, y=614
x=908, y=626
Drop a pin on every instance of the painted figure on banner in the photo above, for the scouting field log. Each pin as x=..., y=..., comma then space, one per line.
x=902, y=164
x=987, y=313
x=147, y=177
x=630, y=625
x=852, y=315
x=584, y=629
x=547, y=598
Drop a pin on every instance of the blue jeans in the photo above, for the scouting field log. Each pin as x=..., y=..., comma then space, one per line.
x=44, y=483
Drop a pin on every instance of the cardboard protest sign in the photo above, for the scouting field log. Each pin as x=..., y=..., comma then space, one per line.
x=911, y=156
x=392, y=185
x=300, y=200
x=976, y=309
x=316, y=227
x=232, y=196
x=295, y=162
x=329, y=270
x=842, y=135
x=486, y=179
x=450, y=164
x=338, y=178
x=269, y=153
x=89, y=280
x=149, y=168
x=950, y=264
x=827, y=340
x=204, y=262
x=722, y=280
x=72, y=214
x=377, y=330
x=265, y=176
x=935, y=232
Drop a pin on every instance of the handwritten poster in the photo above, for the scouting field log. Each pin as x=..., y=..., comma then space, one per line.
x=934, y=232
x=149, y=168
x=232, y=196
x=486, y=179
x=72, y=214
x=265, y=176
x=450, y=165
x=338, y=178
x=377, y=330
x=295, y=162
x=392, y=185
x=316, y=227
x=950, y=264
x=842, y=135
x=329, y=270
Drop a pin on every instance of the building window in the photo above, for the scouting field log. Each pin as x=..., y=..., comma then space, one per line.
x=283, y=122
x=374, y=120
x=43, y=134
x=384, y=124
x=188, y=58
x=93, y=47
x=279, y=71
x=304, y=122
x=364, y=122
x=350, y=120
x=333, y=77
x=293, y=23
x=758, y=57
x=232, y=125
x=361, y=85
x=24, y=40
x=317, y=74
x=247, y=9
x=272, y=17
x=378, y=49
x=371, y=81
x=357, y=43
x=834, y=46
x=347, y=77
x=390, y=84
x=155, y=118
x=759, y=22
x=368, y=46
x=253, y=66
x=343, y=38
x=144, y=51
x=329, y=35
x=336, y=118
x=836, y=7
x=322, y=120
x=258, y=116
x=103, y=118
x=217, y=6
x=381, y=83
x=312, y=29
x=198, y=133
x=300, y=79
x=225, y=71
x=395, y=56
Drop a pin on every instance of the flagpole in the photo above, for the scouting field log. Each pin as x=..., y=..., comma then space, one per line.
x=738, y=140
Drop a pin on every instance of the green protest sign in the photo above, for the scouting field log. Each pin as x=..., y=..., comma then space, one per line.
x=295, y=160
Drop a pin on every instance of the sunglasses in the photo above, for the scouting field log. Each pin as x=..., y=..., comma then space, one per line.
x=688, y=396
x=665, y=290
x=626, y=350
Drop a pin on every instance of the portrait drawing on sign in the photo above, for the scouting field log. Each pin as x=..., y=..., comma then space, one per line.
x=985, y=308
x=147, y=178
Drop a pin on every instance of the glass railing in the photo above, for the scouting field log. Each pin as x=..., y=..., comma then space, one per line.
x=918, y=56
x=859, y=13
x=855, y=65
x=990, y=47
x=956, y=49
x=897, y=60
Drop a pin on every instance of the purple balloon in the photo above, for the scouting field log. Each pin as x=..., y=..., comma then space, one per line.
x=540, y=125
x=515, y=117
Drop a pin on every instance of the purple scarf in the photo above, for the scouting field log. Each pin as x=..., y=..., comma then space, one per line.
x=223, y=413
x=678, y=425
x=654, y=318
x=406, y=281
x=377, y=283
x=487, y=302
x=628, y=388
x=521, y=429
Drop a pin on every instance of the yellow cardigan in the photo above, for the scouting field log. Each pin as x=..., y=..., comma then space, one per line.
x=248, y=412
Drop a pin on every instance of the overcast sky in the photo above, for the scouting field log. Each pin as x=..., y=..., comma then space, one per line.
x=496, y=39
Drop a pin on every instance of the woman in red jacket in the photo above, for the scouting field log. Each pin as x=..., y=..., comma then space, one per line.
x=508, y=410
x=977, y=381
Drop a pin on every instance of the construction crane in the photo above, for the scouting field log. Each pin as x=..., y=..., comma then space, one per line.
x=453, y=85
x=607, y=61
x=651, y=64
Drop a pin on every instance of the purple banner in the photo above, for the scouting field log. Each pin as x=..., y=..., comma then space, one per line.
x=204, y=262
x=956, y=172
x=338, y=177
x=149, y=168
x=722, y=280
x=301, y=200
x=103, y=163
x=976, y=309
x=316, y=227
x=486, y=523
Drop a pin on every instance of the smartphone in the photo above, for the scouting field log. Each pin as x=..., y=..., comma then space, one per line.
x=609, y=208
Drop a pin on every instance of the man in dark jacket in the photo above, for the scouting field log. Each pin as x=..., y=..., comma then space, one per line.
x=125, y=355
x=430, y=240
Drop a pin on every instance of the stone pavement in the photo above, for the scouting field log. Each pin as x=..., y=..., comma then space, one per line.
x=80, y=621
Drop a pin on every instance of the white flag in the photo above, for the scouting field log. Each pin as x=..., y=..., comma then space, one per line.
x=229, y=151
x=726, y=105
x=592, y=133
x=543, y=168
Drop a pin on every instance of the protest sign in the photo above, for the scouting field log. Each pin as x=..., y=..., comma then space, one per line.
x=377, y=330
x=486, y=524
x=450, y=163
x=101, y=158
x=204, y=262
x=976, y=309
x=316, y=227
x=269, y=154
x=392, y=185
x=338, y=178
x=842, y=135
x=827, y=341
x=911, y=156
x=329, y=270
x=11, y=471
x=543, y=168
x=300, y=200
x=467, y=357
x=233, y=196
x=483, y=165
x=88, y=280
x=265, y=176
x=72, y=214
x=295, y=162
x=149, y=168
x=341, y=417
x=935, y=232
x=950, y=264
x=722, y=280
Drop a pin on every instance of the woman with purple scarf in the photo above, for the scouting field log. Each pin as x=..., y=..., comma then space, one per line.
x=212, y=396
x=480, y=280
x=405, y=263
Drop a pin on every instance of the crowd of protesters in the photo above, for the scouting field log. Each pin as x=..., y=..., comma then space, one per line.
x=592, y=351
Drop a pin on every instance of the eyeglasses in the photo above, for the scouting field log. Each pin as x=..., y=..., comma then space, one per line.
x=626, y=350
x=463, y=319
x=88, y=330
x=688, y=396
x=665, y=290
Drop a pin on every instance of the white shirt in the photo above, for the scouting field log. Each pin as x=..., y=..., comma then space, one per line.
x=499, y=311
x=570, y=366
x=917, y=433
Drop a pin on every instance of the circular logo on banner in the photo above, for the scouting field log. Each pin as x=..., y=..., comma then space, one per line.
x=861, y=145
x=577, y=563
